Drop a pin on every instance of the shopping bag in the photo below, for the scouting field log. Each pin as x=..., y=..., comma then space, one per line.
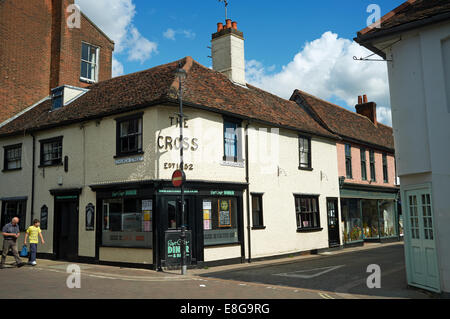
x=24, y=251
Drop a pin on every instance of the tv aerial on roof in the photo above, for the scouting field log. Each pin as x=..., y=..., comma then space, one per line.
x=225, y=2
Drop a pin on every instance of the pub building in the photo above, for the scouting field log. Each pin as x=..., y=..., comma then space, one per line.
x=96, y=165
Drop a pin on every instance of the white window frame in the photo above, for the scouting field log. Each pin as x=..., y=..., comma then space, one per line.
x=97, y=64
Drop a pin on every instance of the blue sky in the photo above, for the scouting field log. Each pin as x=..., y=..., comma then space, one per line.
x=288, y=44
x=274, y=30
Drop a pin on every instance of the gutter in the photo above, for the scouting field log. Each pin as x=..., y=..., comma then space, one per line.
x=32, y=176
x=365, y=40
x=247, y=179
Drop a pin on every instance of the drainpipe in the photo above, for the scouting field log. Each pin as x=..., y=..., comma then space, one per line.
x=247, y=178
x=32, y=177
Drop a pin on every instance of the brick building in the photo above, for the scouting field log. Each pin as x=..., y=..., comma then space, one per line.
x=39, y=52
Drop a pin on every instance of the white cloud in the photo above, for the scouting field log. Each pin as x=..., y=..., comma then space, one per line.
x=384, y=115
x=142, y=48
x=325, y=68
x=171, y=34
x=117, y=68
x=115, y=18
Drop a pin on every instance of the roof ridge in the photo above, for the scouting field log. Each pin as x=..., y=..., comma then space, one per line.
x=248, y=84
x=188, y=62
x=341, y=107
x=135, y=73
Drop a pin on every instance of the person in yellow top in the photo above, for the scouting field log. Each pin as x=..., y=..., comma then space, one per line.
x=33, y=232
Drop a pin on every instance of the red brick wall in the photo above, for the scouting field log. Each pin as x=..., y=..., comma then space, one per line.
x=70, y=59
x=24, y=54
x=31, y=63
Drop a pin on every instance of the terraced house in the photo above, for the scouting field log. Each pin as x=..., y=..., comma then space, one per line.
x=95, y=166
x=369, y=191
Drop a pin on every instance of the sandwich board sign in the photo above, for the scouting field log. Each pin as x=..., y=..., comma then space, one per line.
x=172, y=246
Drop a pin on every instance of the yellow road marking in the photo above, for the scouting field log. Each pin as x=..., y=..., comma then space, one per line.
x=325, y=296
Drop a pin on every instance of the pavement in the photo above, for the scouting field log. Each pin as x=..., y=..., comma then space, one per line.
x=332, y=275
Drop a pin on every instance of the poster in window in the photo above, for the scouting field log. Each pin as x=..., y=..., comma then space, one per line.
x=207, y=224
x=147, y=208
x=44, y=217
x=224, y=213
x=147, y=204
x=90, y=210
x=207, y=205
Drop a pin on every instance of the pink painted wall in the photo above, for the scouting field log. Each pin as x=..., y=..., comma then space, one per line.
x=356, y=166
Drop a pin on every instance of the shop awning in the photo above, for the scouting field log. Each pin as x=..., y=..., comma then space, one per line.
x=353, y=191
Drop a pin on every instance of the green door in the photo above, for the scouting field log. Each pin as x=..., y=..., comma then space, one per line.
x=421, y=258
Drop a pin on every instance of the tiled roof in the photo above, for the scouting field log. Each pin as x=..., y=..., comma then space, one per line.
x=204, y=88
x=347, y=124
x=408, y=12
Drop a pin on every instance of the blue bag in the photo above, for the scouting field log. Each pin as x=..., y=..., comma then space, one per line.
x=24, y=252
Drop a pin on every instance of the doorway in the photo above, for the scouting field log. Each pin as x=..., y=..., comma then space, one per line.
x=421, y=256
x=65, y=234
x=333, y=222
x=170, y=219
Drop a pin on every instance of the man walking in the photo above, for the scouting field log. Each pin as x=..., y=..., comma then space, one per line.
x=34, y=231
x=10, y=234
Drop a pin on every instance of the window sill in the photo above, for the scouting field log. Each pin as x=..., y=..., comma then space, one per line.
x=128, y=154
x=11, y=170
x=310, y=169
x=50, y=165
x=221, y=245
x=309, y=230
x=258, y=227
x=233, y=163
x=87, y=80
x=233, y=159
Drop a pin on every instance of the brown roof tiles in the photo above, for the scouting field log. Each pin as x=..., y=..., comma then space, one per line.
x=203, y=88
x=408, y=12
x=347, y=124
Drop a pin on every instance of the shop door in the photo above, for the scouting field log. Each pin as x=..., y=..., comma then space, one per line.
x=170, y=219
x=65, y=235
x=333, y=222
x=421, y=252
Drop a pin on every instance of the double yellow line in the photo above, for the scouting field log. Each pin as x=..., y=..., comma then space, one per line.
x=325, y=296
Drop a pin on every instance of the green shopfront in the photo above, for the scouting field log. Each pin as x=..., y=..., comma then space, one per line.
x=370, y=214
x=136, y=216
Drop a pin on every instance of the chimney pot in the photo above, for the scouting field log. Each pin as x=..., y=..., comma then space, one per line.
x=234, y=25
x=228, y=23
x=219, y=26
x=368, y=109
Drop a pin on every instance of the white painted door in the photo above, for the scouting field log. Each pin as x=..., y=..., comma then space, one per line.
x=421, y=257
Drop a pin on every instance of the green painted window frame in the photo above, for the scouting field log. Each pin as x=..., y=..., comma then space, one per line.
x=363, y=164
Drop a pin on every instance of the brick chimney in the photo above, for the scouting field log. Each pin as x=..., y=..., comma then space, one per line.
x=368, y=109
x=227, y=46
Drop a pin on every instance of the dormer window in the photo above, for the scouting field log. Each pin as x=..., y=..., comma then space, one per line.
x=89, y=62
x=57, y=98
x=64, y=95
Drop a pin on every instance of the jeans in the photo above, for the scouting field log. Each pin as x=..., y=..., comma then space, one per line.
x=33, y=251
x=10, y=244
